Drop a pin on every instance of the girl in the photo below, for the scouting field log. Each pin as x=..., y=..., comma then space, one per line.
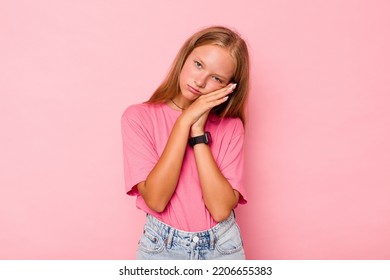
x=183, y=151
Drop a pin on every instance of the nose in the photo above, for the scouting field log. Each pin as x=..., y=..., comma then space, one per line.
x=200, y=80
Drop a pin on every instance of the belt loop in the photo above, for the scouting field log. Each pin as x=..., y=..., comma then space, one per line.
x=170, y=237
x=212, y=239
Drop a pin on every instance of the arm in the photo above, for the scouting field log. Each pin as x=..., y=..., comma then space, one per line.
x=161, y=182
x=219, y=196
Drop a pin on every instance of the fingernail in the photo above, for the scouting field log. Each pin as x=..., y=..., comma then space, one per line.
x=233, y=86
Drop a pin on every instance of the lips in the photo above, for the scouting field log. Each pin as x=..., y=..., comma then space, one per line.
x=193, y=90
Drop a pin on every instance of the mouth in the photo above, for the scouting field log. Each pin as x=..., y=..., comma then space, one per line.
x=193, y=90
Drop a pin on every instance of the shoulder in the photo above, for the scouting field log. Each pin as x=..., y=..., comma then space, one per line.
x=139, y=111
x=135, y=109
x=226, y=129
x=235, y=123
x=232, y=125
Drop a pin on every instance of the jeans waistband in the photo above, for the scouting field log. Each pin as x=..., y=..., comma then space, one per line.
x=206, y=238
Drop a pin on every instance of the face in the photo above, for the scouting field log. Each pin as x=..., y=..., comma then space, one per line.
x=206, y=69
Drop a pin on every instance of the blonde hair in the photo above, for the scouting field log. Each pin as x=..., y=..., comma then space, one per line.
x=225, y=38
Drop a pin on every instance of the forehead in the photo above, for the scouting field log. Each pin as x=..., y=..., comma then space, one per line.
x=216, y=59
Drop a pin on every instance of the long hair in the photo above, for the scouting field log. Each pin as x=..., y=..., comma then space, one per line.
x=225, y=38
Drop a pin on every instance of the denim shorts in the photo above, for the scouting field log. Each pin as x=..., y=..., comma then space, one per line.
x=160, y=241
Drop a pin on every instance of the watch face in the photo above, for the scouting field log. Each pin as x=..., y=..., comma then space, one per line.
x=207, y=137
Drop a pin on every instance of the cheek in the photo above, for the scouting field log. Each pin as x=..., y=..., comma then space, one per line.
x=185, y=71
x=211, y=86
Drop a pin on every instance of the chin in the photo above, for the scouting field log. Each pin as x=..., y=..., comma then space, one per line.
x=189, y=96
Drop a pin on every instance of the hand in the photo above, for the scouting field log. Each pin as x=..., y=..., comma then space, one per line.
x=198, y=127
x=198, y=111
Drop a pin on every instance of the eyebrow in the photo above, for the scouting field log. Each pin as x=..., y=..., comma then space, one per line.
x=219, y=75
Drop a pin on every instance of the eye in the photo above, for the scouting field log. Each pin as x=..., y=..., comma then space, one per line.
x=217, y=79
x=197, y=64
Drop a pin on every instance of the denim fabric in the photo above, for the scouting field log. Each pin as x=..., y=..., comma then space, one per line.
x=160, y=241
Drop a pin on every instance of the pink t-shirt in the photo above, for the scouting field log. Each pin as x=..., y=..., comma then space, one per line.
x=145, y=132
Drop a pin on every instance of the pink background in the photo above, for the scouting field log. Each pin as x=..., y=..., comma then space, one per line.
x=318, y=153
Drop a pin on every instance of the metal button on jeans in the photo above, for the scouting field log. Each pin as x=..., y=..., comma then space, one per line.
x=195, y=239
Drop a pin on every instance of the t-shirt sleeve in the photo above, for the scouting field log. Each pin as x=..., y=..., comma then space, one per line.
x=232, y=166
x=139, y=153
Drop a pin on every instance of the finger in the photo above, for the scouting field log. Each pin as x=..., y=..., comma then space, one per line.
x=216, y=102
x=220, y=93
x=219, y=96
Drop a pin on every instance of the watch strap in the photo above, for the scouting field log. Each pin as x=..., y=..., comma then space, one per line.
x=205, y=138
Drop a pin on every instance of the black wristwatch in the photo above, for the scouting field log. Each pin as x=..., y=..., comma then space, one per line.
x=205, y=138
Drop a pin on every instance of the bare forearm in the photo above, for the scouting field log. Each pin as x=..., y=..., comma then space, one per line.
x=218, y=194
x=161, y=182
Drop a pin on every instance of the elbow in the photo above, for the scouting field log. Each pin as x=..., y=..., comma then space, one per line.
x=156, y=205
x=221, y=215
x=152, y=200
x=220, y=212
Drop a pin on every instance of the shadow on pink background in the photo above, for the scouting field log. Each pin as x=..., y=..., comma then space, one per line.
x=317, y=140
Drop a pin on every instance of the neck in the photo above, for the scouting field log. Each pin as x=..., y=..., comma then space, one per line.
x=180, y=103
